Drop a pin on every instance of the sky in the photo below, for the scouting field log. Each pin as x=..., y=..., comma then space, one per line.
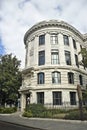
x=17, y=16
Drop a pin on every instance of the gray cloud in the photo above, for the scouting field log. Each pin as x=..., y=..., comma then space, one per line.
x=17, y=16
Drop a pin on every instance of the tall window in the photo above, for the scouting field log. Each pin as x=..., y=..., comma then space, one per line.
x=41, y=39
x=56, y=77
x=76, y=60
x=66, y=40
x=74, y=44
x=41, y=58
x=80, y=79
x=41, y=78
x=57, y=98
x=68, y=57
x=55, y=57
x=73, y=98
x=70, y=77
x=40, y=97
x=54, y=39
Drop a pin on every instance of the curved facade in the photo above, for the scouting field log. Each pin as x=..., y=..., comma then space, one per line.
x=52, y=69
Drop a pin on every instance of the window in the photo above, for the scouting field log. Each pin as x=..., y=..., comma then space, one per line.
x=54, y=39
x=80, y=47
x=68, y=57
x=70, y=77
x=56, y=77
x=74, y=44
x=41, y=39
x=76, y=60
x=72, y=98
x=80, y=79
x=66, y=40
x=54, y=57
x=41, y=57
x=40, y=97
x=41, y=78
x=57, y=98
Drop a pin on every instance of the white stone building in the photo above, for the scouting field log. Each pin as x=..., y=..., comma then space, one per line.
x=52, y=69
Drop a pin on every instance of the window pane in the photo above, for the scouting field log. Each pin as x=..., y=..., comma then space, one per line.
x=42, y=40
x=40, y=97
x=76, y=60
x=81, y=79
x=73, y=98
x=70, y=77
x=56, y=77
x=66, y=40
x=74, y=44
x=40, y=78
x=55, y=57
x=68, y=57
x=57, y=98
x=54, y=39
x=41, y=57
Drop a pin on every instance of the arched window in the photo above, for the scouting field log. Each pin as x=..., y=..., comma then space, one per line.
x=40, y=78
x=70, y=78
x=56, y=77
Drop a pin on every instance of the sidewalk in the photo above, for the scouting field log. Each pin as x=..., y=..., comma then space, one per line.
x=44, y=124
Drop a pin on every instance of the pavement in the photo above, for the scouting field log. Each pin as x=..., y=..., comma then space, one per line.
x=43, y=123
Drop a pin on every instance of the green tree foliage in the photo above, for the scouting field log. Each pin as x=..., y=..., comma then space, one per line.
x=10, y=78
x=83, y=62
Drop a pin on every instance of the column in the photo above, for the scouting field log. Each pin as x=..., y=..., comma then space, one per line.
x=36, y=45
x=23, y=101
x=47, y=49
x=72, y=52
x=61, y=50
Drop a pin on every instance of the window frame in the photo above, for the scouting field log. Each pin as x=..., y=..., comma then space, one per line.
x=76, y=60
x=41, y=78
x=81, y=79
x=54, y=56
x=66, y=40
x=42, y=39
x=74, y=44
x=57, y=97
x=72, y=98
x=56, y=77
x=54, y=39
x=41, y=57
x=40, y=97
x=68, y=57
x=70, y=77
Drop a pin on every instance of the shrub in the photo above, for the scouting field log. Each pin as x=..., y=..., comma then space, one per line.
x=27, y=114
x=75, y=115
x=46, y=114
x=36, y=109
x=8, y=110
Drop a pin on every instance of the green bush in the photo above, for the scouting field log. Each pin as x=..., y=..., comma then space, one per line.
x=75, y=115
x=46, y=114
x=27, y=114
x=4, y=110
x=36, y=109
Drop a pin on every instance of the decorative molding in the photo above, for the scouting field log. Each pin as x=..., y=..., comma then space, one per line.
x=54, y=23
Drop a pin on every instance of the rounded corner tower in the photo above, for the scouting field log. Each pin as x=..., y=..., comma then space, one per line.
x=52, y=71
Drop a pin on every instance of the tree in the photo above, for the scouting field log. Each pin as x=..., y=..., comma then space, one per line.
x=10, y=78
x=83, y=62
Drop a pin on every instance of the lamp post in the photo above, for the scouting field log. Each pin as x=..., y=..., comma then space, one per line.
x=79, y=91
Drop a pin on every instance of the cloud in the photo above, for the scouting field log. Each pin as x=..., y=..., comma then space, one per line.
x=17, y=16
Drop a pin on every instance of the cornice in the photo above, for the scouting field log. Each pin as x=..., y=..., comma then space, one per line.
x=54, y=23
